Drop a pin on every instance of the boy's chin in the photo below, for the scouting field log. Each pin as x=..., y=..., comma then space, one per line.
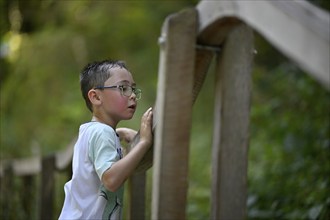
x=128, y=117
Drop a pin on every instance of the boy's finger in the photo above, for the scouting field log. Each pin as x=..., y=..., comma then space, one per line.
x=147, y=113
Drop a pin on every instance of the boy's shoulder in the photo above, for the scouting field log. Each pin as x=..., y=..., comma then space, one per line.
x=95, y=128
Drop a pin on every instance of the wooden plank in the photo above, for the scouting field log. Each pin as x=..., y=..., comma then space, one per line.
x=202, y=63
x=305, y=37
x=147, y=160
x=27, y=166
x=32, y=165
x=231, y=127
x=63, y=158
x=8, y=193
x=28, y=195
x=137, y=196
x=47, y=188
x=174, y=110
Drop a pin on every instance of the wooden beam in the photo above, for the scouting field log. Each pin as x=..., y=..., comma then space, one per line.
x=32, y=165
x=137, y=196
x=7, y=190
x=29, y=195
x=231, y=127
x=47, y=186
x=174, y=112
x=202, y=62
x=63, y=158
x=296, y=28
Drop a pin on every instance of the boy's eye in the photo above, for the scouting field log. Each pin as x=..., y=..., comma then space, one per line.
x=125, y=88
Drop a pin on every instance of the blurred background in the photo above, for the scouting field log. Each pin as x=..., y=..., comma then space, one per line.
x=45, y=44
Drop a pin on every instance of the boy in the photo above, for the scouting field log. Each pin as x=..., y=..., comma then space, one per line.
x=99, y=169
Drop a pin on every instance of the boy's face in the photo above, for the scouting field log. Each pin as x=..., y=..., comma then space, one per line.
x=115, y=105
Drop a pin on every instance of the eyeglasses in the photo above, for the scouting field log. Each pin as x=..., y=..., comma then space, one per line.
x=125, y=90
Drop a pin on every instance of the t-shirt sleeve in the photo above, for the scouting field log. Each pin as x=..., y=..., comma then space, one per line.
x=102, y=149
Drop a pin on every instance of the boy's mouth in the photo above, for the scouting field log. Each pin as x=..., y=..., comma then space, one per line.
x=132, y=106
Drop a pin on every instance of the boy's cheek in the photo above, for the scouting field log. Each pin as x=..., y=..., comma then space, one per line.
x=122, y=104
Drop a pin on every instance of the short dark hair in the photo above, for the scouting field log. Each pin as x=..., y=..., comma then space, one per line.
x=95, y=74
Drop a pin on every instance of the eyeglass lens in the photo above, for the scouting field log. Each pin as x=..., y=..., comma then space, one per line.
x=127, y=91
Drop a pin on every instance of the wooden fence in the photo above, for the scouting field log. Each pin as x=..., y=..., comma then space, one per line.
x=189, y=40
x=27, y=170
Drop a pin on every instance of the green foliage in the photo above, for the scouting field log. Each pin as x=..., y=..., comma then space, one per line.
x=289, y=150
x=200, y=152
x=41, y=105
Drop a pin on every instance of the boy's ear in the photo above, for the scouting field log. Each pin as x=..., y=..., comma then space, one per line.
x=94, y=97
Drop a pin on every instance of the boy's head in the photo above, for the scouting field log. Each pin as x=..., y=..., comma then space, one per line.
x=95, y=74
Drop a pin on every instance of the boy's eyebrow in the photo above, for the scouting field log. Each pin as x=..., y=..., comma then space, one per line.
x=128, y=82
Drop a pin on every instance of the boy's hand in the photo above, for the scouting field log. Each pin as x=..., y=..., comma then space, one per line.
x=126, y=134
x=146, y=136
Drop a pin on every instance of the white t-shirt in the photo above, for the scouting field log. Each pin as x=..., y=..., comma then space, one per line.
x=97, y=148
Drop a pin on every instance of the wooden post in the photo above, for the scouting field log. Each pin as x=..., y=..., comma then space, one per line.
x=8, y=191
x=231, y=133
x=137, y=196
x=174, y=110
x=202, y=62
x=47, y=188
x=28, y=196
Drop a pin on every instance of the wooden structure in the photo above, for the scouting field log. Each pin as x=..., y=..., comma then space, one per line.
x=188, y=41
x=28, y=169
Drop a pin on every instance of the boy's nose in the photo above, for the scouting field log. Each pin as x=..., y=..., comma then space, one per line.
x=133, y=95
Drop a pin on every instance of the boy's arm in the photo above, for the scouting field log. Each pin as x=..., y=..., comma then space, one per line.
x=114, y=177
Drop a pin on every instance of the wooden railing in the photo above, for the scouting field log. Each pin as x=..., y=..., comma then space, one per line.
x=223, y=29
x=26, y=171
x=37, y=186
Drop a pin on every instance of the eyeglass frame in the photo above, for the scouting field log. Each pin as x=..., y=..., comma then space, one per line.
x=137, y=92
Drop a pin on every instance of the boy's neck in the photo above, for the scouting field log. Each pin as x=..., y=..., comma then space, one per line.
x=108, y=122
